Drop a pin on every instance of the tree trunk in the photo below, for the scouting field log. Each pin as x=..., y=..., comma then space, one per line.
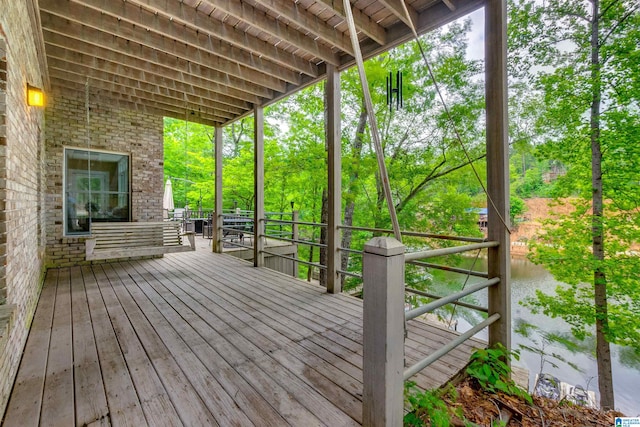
x=356, y=155
x=603, y=348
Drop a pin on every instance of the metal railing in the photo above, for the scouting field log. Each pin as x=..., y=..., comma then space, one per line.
x=385, y=317
x=415, y=235
x=295, y=232
x=440, y=301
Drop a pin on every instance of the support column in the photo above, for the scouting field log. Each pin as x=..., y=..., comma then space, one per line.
x=334, y=172
x=383, y=332
x=498, y=169
x=217, y=214
x=258, y=186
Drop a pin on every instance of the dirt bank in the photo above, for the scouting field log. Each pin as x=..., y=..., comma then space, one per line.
x=537, y=210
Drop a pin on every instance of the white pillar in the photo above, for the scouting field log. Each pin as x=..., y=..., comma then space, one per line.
x=258, y=186
x=498, y=168
x=334, y=172
x=383, y=333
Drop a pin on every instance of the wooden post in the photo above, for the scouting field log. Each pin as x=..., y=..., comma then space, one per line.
x=334, y=176
x=258, y=186
x=383, y=332
x=498, y=169
x=216, y=217
x=295, y=216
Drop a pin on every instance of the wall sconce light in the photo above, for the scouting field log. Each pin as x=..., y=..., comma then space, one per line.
x=35, y=96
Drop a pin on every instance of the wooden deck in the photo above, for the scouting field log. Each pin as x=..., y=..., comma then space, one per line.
x=199, y=339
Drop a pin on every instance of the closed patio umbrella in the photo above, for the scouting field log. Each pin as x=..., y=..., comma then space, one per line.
x=167, y=199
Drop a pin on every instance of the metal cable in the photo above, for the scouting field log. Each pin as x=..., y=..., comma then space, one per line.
x=373, y=127
x=450, y=116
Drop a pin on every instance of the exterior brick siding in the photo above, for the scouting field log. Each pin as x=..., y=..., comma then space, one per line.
x=137, y=134
x=21, y=184
x=32, y=142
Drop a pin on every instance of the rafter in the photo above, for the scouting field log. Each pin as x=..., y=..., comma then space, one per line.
x=104, y=29
x=141, y=107
x=262, y=21
x=243, y=49
x=298, y=16
x=118, y=91
x=159, y=64
x=186, y=15
x=397, y=7
x=363, y=22
x=140, y=87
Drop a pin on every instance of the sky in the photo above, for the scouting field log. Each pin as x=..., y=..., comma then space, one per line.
x=475, y=50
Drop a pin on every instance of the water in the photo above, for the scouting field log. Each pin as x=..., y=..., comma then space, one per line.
x=525, y=279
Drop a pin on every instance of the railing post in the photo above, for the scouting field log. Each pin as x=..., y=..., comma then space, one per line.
x=383, y=332
x=295, y=216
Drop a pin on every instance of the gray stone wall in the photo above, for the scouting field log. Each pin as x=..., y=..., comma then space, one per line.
x=104, y=128
x=21, y=181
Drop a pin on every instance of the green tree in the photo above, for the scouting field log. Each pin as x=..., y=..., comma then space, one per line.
x=583, y=58
x=188, y=161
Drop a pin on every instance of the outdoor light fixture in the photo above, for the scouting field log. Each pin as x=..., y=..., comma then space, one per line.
x=35, y=96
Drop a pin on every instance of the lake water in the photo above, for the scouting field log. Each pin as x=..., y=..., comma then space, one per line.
x=526, y=277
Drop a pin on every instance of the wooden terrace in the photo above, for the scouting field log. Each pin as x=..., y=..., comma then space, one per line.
x=200, y=338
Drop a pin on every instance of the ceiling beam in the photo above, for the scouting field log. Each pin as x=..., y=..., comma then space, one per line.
x=187, y=15
x=118, y=91
x=429, y=19
x=128, y=105
x=164, y=27
x=98, y=67
x=111, y=28
x=260, y=20
x=400, y=9
x=156, y=63
x=364, y=23
x=298, y=16
x=179, y=99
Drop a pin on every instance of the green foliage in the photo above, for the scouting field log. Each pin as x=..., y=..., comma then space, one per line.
x=188, y=160
x=516, y=208
x=562, y=250
x=490, y=369
x=580, y=58
x=486, y=366
x=426, y=405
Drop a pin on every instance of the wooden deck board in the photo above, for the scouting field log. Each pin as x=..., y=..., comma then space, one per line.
x=123, y=402
x=130, y=332
x=90, y=397
x=241, y=357
x=58, y=398
x=241, y=328
x=199, y=339
x=26, y=398
x=177, y=328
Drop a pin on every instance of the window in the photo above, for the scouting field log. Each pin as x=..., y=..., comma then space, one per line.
x=96, y=187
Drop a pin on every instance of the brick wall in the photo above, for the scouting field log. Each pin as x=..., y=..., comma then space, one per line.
x=106, y=128
x=31, y=175
x=21, y=180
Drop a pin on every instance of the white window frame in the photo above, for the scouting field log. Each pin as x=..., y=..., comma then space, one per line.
x=120, y=174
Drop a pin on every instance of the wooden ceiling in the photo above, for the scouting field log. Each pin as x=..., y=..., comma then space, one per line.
x=211, y=61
